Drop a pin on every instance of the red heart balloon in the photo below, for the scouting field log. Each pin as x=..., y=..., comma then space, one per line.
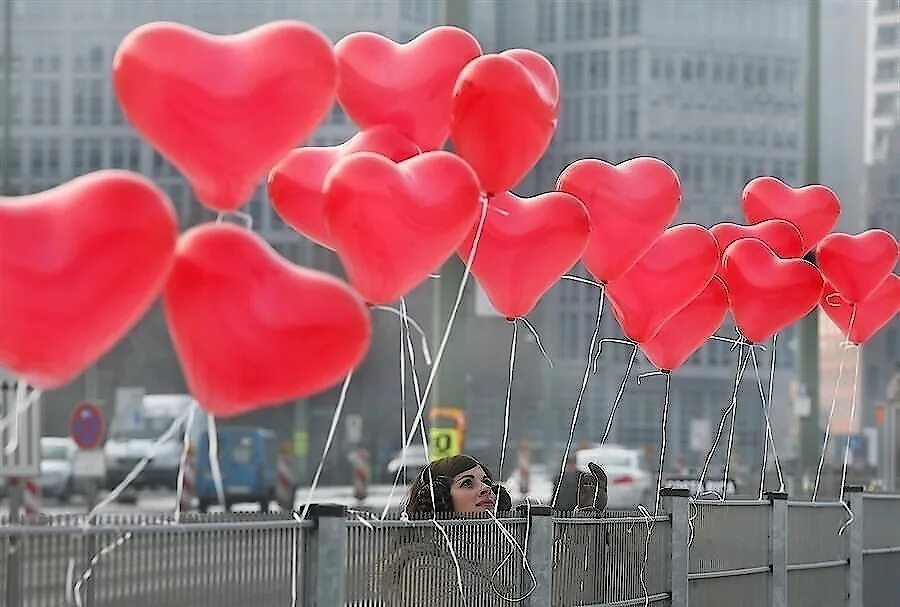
x=871, y=315
x=296, y=183
x=394, y=224
x=673, y=273
x=79, y=265
x=856, y=265
x=525, y=246
x=768, y=293
x=781, y=236
x=684, y=333
x=407, y=86
x=225, y=109
x=251, y=329
x=630, y=206
x=814, y=209
x=504, y=114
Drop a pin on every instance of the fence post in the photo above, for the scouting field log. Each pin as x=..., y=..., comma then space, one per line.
x=540, y=553
x=855, y=572
x=327, y=569
x=677, y=503
x=778, y=548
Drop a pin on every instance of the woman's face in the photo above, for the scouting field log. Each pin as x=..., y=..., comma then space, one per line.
x=471, y=491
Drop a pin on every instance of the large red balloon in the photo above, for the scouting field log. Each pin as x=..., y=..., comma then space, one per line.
x=630, y=205
x=296, y=183
x=394, y=224
x=407, y=86
x=225, y=109
x=814, y=209
x=684, y=333
x=251, y=329
x=525, y=246
x=779, y=235
x=503, y=115
x=79, y=265
x=673, y=273
x=768, y=293
x=856, y=265
x=871, y=315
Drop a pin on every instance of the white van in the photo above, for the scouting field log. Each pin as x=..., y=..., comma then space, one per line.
x=133, y=433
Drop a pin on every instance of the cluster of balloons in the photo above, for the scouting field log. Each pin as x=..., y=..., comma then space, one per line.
x=80, y=264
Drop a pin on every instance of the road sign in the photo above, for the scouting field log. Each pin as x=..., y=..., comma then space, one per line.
x=20, y=432
x=87, y=425
x=89, y=464
x=443, y=442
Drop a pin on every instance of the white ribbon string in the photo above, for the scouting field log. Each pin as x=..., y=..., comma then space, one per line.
x=86, y=575
x=212, y=441
x=537, y=339
x=512, y=366
x=584, y=382
x=22, y=403
x=404, y=317
x=615, y=405
x=185, y=453
x=584, y=281
x=769, y=437
x=850, y=515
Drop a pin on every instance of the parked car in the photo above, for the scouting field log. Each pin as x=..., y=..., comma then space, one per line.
x=248, y=460
x=628, y=483
x=57, y=478
x=712, y=484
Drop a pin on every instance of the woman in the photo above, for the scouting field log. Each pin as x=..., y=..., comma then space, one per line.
x=461, y=485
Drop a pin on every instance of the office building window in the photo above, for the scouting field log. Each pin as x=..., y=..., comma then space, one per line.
x=886, y=104
x=887, y=69
x=53, y=103
x=52, y=158
x=37, y=158
x=731, y=74
x=134, y=154
x=627, y=116
x=629, y=67
x=571, y=120
x=887, y=6
x=38, y=103
x=656, y=67
x=96, y=59
x=95, y=154
x=887, y=35
x=546, y=20
x=700, y=69
x=95, y=107
x=598, y=65
x=718, y=72
x=629, y=17
x=79, y=156
x=574, y=19
x=598, y=118
x=573, y=71
x=80, y=102
x=600, y=18
x=687, y=70
x=117, y=154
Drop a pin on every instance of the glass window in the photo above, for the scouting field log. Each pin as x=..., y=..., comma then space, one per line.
x=887, y=35
x=718, y=73
x=38, y=103
x=598, y=118
x=53, y=164
x=95, y=110
x=656, y=67
x=134, y=155
x=37, y=158
x=598, y=65
x=887, y=6
x=546, y=21
x=887, y=69
x=79, y=156
x=53, y=103
x=629, y=17
x=117, y=153
x=600, y=17
x=574, y=19
x=573, y=71
x=79, y=105
x=629, y=62
x=627, y=116
x=95, y=155
x=886, y=104
x=96, y=59
x=687, y=71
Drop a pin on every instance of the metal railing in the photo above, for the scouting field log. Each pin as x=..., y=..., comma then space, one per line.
x=738, y=553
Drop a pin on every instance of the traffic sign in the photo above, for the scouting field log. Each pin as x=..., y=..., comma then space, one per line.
x=87, y=425
x=443, y=442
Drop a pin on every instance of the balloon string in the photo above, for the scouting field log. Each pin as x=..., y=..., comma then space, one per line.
x=512, y=366
x=185, y=453
x=649, y=521
x=86, y=575
x=736, y=342
x=851, y=516
x=515, y=546
x=212, y=440
x=739, y=373
x=404, y=326
x=426, y=353
x=584, y=281
x=770, y=436
x=445, y=337
x=611, y=340
x=769, y=407
x=537, y=339
x=618, y=399
x=584, y=383
x=235, y=217
x=22, y=403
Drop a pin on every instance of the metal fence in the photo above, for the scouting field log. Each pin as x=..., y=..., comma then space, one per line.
x=737, y=553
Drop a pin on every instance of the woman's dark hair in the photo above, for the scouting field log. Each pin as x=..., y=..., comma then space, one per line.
x=441, y=473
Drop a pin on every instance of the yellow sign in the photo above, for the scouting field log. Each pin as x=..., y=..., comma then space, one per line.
x=301, y=442
x=443, y=442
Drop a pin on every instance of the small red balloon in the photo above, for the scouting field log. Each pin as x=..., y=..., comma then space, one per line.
x=297, y=181
x=768, y=293
x=394, y=224
x=630, y=206
x=253, y=330
x=525, y=246
x=673, y=273
x=813, y=209
x=79, y=265
x=856, y=265
x=225, y=109
x=407, y=86
x=684, y=333
x=503, y=115
x=870, y=316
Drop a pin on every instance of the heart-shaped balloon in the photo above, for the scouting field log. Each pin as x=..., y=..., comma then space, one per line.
x=856, y=265
x=768, y=293
x=630, y=205
x=673, y=273
x=781, y=236
x=394, y=224
x=503, y=115
x=684, y=333
x=525, y=246
x=225, y=109
x=871, y=315
x=814, y=209
x=79, y=265
x=251, y=329
x=296, y=183
x=407, y=86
